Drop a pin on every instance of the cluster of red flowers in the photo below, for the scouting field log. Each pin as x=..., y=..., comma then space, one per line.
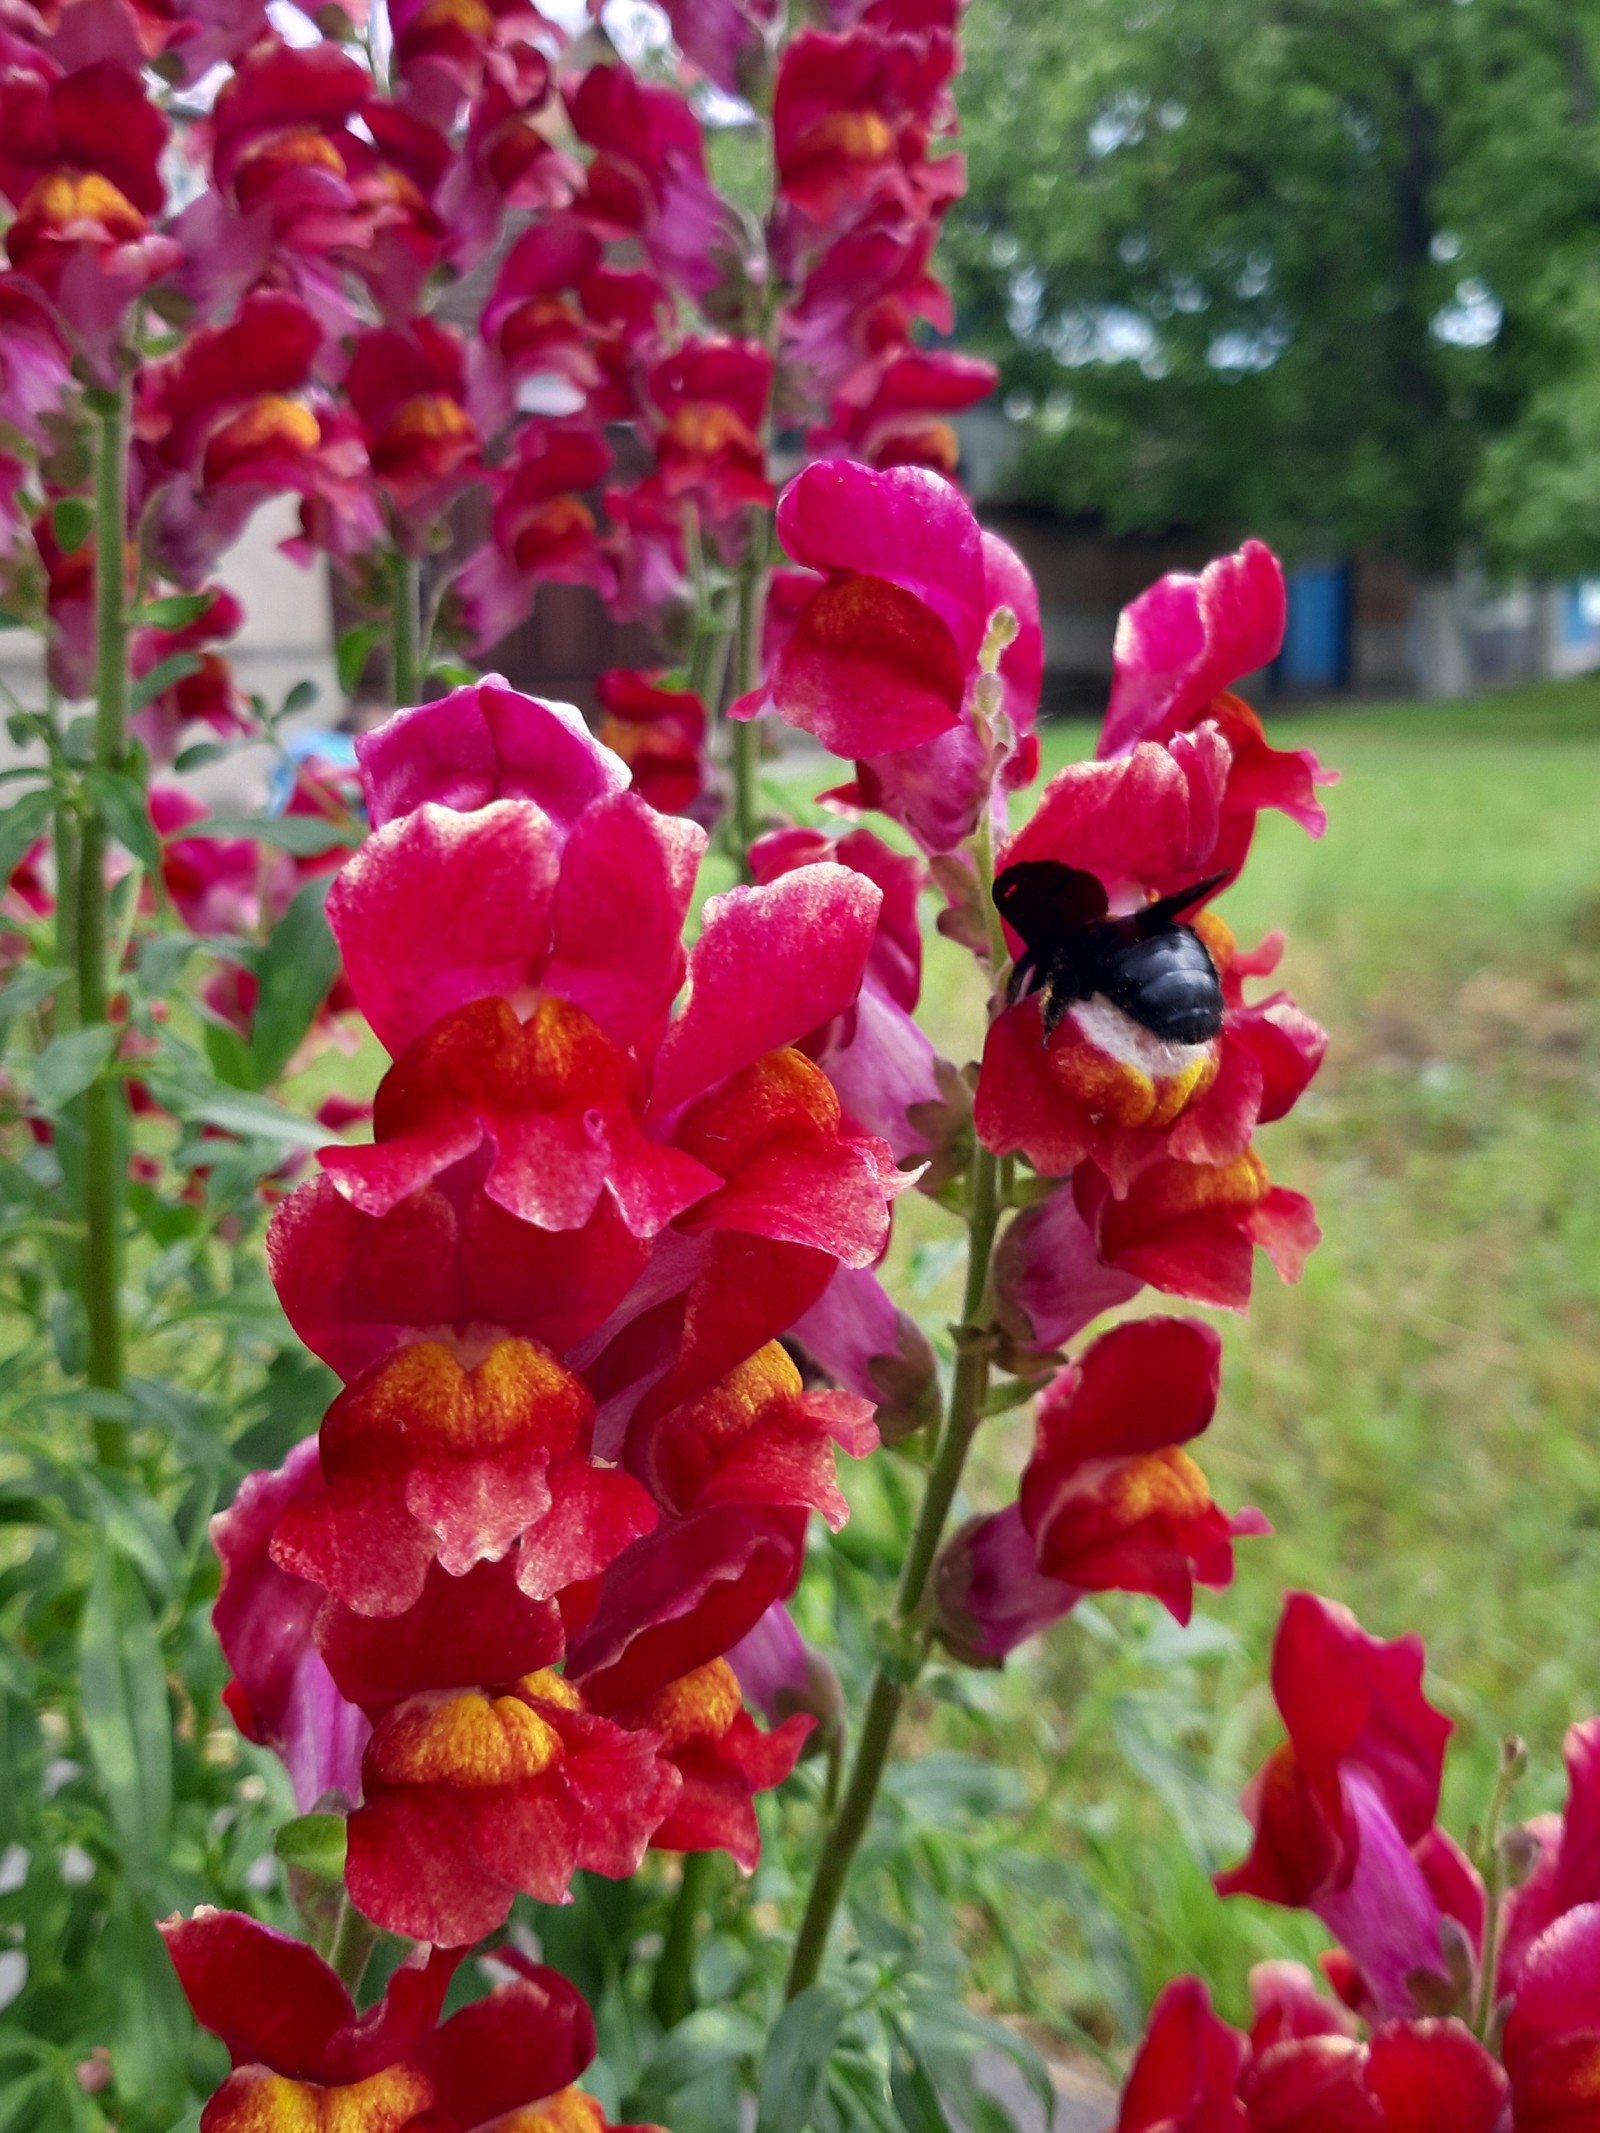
x=918, y=652
x=1455, y=2007
x=553, y=1284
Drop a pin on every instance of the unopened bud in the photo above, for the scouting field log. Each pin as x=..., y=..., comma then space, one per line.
x=1513, y=1758
x=1519, y=1850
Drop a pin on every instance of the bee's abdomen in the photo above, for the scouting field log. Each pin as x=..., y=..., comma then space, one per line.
x=1168, y=984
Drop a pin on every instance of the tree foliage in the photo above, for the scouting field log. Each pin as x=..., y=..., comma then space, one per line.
x=1290, y=263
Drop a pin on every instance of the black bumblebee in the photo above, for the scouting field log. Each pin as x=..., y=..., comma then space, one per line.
x=1148, y=963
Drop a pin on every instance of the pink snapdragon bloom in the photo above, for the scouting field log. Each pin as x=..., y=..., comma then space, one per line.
x=884, y=655
x=1180, y=648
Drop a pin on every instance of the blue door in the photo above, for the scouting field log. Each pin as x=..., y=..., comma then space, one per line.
x=1316, y=643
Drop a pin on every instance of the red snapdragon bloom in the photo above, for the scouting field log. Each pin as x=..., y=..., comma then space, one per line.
x=899, y=416
x=469, y=1797
x=541, y=528
x=282, y=1693
x=1179, y=649
x=756, y=1437
x=303, y=2056
x=1302, y=2070
x=214, y=882
x=853, y=116
x=1185, y=2077
x=660, y=733
x=228, y=420
x=648, y=177
x=35, y=368
x=1192, y=1228
x=711, y=397
x=1110, y=1501
x=409, y=389
x=876, y=1054
x=1344, y=1810
x=80, y=164
x=532, y=319
x=426, y=1459
x=723, y=1758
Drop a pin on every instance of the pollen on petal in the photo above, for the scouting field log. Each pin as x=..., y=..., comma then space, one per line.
x=698, y=1706
x=472, y=1740
x=253, y=2102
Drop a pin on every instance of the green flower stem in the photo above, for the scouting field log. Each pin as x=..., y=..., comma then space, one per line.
x=405, y=632
x=893, y=1678
x=907, y=1638
x=672, y=1989
x=1513, y=1762
x=103, y=1101
x=746, y=733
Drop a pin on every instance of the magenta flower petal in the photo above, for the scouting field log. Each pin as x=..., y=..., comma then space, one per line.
x=771, y=965
x=482, y=743
x=439, y=908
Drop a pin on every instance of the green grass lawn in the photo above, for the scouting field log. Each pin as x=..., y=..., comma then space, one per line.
x=1420, y=1419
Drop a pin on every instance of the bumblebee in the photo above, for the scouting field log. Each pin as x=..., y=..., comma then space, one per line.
x=1147, y=962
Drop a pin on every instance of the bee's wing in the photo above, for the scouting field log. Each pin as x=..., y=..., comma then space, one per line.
x=1164, y=908
x=1042, y=898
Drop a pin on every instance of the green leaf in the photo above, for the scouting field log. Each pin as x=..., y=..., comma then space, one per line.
x=300, y=962
x=200, y=754
x=708, y=2038
x=796, y=2059
x=314, y=1844
x=178, y=667
x=161, y=961
x=121, y=804
x=125, y=1712
x=454, y=672
x=251, y=1117
x=232, y=1060
x=174, y=610
x=72, y=521
x=68, y=1064
x=306, y=835
x=300, y=698
x=24, y=821
x=149, y=2046
x=916, y=2099
x=27, y=987
x=355, y=648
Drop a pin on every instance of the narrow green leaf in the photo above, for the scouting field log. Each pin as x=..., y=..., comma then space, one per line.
x=796, y=2061
x=149, y=2046
x=27, y=987
x=251, y=1117
x=306, y=835
x=200, y=754
x=705, y=2039
x=125, y=1712
x=25, y=820
x=300, y=698
x=355, y=648
x=175, y=609
x=121, y=804
x=72, y=521
x=315, y=1844
x=161, y=676
x=300, y=963
x=68, y=1064
x=453, y=671
x=161, y=960
x=232, y=1060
